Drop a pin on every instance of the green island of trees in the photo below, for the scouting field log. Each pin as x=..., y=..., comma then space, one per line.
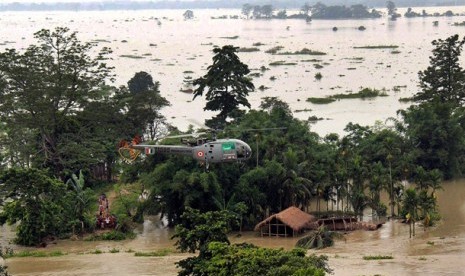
x=61, y=119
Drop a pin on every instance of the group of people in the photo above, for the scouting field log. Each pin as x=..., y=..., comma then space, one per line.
x=104, y=218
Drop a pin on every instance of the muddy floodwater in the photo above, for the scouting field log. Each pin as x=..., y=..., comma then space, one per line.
x=176, y=51
x=437, y=251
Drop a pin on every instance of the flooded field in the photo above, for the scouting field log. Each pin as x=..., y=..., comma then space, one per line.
x=437, y=251
x=175, y=51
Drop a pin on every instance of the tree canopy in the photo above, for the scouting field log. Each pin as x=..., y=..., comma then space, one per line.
x=226, y=82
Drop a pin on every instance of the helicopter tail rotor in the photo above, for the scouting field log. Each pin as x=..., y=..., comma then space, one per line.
x=127, y=152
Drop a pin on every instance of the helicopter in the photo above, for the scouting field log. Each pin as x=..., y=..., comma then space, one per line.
x=203, y=150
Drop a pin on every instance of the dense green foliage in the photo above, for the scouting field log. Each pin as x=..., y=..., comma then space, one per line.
x=435, y=126
x=318, y=239
x=206, y=233
x=43, y=91
x=57, y=111
x=321, y=11
x=227, y=84
x=247, y=259
x=37, y=203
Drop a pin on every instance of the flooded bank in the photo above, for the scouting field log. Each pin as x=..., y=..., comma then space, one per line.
x=437, y=251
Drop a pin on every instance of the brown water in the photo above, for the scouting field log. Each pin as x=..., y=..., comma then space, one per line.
x=169, y=50
x=437, y=251
x=186, y=46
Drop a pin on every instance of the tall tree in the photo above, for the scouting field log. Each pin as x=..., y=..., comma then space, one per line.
x=142, y=104
x=227, y=84
x=391, y=8
x=444, y=79
x=47, y=84
x=306, y=8
x=246, y=9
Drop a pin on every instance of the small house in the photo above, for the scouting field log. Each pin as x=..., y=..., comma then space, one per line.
x=289, y=222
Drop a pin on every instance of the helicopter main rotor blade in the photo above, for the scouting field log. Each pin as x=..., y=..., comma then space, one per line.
x=259, y=129
x=195, y=135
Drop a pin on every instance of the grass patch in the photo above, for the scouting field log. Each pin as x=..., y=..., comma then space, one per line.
x=101, y=40
x=230, y=37
x=302, y=110
x=57, y=253
x=314, y=118
x=422, y=259
x=311, y=60
x=97, y=251
x=131, y=56
x=364, y=93
x=315, y=100
x=159, y=253
x=35, y=254
x=281, y=62
x=397, y=88
x=406, y=100
x=304, y=51
x=377, y=47
x=111, y=236
x=114, y=250
x=274, y=50
x=248, y=50
x=255, y=75
x=257, y=44
x=395, y=52
x=378, y=257
x=430, y=242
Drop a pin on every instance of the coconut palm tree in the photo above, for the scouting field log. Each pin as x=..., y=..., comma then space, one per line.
x=411, y=205
x=319, y=238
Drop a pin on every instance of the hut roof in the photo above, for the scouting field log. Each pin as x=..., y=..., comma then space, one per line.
x=292, y=217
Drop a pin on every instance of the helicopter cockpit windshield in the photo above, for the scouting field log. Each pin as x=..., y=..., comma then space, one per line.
x=243, y=151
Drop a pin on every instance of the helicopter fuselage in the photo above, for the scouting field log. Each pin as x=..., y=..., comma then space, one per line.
x=217, y=151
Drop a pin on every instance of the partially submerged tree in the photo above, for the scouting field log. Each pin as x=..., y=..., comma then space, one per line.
x=319, y=238
x=36, y=202
x=188, y=14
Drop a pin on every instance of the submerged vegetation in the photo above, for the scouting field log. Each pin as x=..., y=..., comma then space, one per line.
x=377, y=257
x=377, y=47
x=362, y=94
x=73, y=130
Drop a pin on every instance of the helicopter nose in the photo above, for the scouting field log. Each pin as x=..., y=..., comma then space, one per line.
x=248, y=152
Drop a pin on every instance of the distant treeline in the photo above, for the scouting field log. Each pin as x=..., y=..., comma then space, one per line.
x=204, y=4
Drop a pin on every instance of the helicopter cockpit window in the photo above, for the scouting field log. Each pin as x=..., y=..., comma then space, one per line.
x=228, y=147
x=229, y=151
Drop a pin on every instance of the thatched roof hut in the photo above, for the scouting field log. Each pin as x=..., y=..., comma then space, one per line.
x=291, y=221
